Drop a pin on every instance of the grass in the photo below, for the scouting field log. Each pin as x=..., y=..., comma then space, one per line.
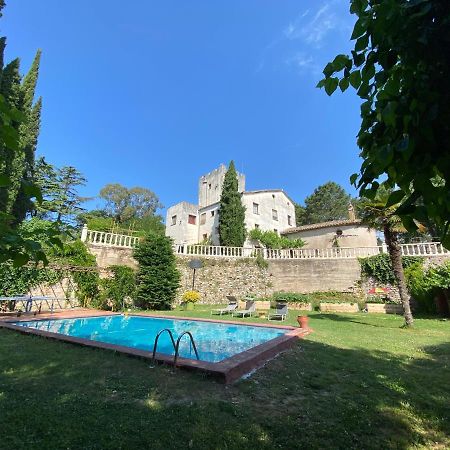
x=358, y=381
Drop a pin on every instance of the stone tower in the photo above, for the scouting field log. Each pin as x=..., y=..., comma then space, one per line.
x=210, y=186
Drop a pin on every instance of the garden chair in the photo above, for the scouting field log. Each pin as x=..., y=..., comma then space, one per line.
x=281, y=311
x=250, y=308
x=232, y=305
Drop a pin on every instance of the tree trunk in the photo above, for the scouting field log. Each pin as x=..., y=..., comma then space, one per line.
x=395, y=253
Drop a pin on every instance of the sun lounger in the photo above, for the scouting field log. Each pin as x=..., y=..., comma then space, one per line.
x=280, y=313
x=232, y=305
x=250, y=308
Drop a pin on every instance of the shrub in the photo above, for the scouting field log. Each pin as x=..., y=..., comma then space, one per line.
x=120, y=287
x=379, y=267
x=261, y=262
x=425, y=285
x=191, y=296
x=157, y=278
x=380, y=299
x=291, y=297
x=270, y=239
x=88, y=281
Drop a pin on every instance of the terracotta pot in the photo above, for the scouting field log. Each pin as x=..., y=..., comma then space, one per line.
x=303, y=321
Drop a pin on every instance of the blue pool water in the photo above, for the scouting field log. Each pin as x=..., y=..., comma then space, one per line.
x=215, y=341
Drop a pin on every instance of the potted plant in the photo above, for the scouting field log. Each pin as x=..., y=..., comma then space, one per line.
x=303, y=321
x=190, y=298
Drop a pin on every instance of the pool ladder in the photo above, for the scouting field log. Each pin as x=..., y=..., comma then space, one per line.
x=176, y=345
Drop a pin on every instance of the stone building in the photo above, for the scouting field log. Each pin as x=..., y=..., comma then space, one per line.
x=349, y=232
x=269, y=209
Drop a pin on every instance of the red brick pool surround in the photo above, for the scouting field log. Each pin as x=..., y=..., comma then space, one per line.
x=226, y=371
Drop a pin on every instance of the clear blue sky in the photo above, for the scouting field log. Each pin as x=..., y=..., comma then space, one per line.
x=157, y=93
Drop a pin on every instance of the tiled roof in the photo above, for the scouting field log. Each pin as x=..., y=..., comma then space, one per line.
x=316, y=226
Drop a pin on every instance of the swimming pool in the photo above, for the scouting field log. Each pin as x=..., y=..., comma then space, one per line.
x=214, y=341
x=227, y=350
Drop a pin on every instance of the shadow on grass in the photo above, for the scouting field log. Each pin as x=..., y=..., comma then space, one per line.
x=55, y=395
x=343, y=318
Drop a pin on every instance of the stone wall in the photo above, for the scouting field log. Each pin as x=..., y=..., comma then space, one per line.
x=310, y=275
x=110, y=256
x=221, y=277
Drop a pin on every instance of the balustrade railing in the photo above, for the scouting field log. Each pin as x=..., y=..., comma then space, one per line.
x=126, y=241
x=111, y=239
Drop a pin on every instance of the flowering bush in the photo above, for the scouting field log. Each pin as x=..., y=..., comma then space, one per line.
x=191, y=296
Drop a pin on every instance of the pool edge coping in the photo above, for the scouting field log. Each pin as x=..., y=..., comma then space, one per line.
x=226, y=371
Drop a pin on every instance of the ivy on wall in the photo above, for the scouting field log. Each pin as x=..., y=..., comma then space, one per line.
x=20, y=280
x=379, y=267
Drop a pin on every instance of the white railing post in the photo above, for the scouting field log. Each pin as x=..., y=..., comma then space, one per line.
x=84, y=233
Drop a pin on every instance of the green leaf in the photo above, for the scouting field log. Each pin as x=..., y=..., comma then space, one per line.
x=358, y=58
x=340, y=62
x=353, y=178
x=362, y=43
x=331, y=85
x=368, y=72
x=343, y=84
x=364, y=90
x=395, y=198
x=329, y=70
x=360, y=28
x=321, y=83
x=355, y=79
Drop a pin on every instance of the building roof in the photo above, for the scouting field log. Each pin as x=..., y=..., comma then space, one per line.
x=317, y=226
x=262, y=191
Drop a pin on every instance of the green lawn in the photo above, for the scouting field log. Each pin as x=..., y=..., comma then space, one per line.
x=358, y=381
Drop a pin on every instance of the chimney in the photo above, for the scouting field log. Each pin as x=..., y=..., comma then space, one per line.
x=351, y=212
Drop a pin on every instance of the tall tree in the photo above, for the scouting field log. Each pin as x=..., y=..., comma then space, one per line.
x=19, y=164
x=232, y=212
x=378, y=214
x=59, y=187
x=400, y=67
x=328, y=202
x=157, y=278
x=124, y=204
x=300, y=215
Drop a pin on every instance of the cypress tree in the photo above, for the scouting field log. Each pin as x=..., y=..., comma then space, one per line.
x=157, y=278
x=232, y=231
x=18, y=164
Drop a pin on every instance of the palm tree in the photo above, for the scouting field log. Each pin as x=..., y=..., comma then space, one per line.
x=377, y=214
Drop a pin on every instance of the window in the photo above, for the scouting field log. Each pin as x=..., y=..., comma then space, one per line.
x=289, y=220
x=212, y=213
x=273, y=195
x=339, y=232
x=256, y=225
x=255, y=208
x=274, y=214
x=209, y=186
x=192, y=219
x=202, y=219
x=174, y=220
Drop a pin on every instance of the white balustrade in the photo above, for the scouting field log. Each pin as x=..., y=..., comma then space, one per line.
x=126, y=241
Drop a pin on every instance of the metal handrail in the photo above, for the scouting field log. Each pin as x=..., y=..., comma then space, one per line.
x=177, y=347
x=155, y=345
